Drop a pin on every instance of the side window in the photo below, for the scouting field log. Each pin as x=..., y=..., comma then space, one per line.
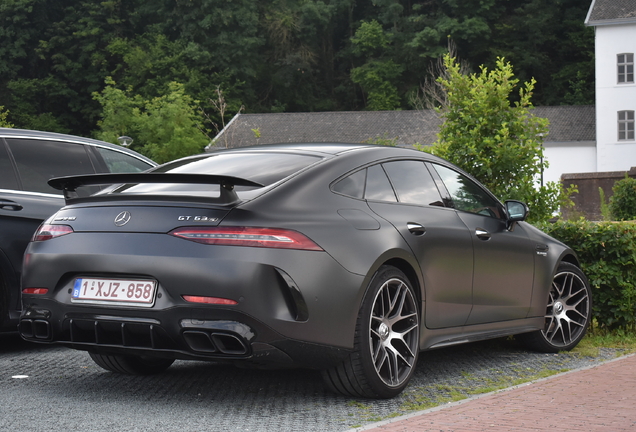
x=7, y=175
x=352, y=185
x=378, y=185
x=118, y=162
x=39, y=161
x=413, y=183
x=468, y=196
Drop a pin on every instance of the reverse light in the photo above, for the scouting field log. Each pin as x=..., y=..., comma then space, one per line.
x=209, y=300
x=246, y=236
x=47, y=232
x=35, y=290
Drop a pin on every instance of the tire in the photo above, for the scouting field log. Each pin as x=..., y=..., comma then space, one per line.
x=132, y=365
x=386, y=341
x=568, y=312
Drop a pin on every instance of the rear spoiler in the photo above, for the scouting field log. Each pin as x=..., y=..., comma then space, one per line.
x=70, y=184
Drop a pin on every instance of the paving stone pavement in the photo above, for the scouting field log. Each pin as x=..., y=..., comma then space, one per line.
x=47, y=388
x=593, y=399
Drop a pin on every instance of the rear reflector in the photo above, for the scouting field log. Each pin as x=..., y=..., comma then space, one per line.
x=247, y=236
x=209, y=300
x=35, y=290
x=47, y=232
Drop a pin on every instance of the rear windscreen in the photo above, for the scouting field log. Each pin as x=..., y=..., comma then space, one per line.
x=264, y=168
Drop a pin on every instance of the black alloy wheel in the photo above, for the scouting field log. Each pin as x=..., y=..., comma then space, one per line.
x=568, y=312
x=386, y=341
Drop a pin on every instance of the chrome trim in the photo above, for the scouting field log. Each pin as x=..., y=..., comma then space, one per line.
x=42, y=194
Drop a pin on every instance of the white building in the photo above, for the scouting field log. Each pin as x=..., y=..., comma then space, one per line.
x=614, y=22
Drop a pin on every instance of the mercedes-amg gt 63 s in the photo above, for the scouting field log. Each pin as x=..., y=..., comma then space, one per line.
x=346, y=258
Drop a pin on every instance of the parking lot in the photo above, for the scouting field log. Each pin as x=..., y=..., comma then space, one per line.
x=44, y=388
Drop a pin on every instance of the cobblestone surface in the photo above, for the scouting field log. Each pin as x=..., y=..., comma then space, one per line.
x=65, y=390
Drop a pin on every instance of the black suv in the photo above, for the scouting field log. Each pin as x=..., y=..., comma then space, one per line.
x=28, y=159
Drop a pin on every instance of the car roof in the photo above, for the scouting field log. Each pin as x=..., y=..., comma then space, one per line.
x=334, y=149
x=325, y=148
x=53, y=136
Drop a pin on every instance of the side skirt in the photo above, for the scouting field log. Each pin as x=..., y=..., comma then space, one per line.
x=438, y=338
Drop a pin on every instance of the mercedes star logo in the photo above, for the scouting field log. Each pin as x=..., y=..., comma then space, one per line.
x=122, y=218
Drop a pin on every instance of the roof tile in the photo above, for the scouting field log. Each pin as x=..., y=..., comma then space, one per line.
x=567, y=123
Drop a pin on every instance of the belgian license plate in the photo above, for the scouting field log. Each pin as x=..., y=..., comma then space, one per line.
x=133, y=292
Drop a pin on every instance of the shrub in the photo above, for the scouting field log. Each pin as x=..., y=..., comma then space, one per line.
x=497, y=141
x=623, y=203
x=607, y=251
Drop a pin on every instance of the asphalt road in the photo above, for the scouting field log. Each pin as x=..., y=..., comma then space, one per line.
x=45, y=388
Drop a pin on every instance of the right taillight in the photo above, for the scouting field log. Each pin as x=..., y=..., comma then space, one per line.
x=275, y=238
x=47, y=232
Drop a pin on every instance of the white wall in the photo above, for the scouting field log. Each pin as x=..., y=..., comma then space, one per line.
x=612, y=97
x=567, y=158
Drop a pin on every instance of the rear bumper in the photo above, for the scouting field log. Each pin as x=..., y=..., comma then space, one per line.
x=216, y=335
x=293, y=306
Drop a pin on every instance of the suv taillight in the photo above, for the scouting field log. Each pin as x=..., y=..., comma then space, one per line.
x=47, y=232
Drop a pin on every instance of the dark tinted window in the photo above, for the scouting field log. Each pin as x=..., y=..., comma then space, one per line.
x=467, y=195
x=378, y=185
x=118, y=162
x=39, y=161
x=413, y=183
x=263, y=168
x=7, y=175
x=352, y=185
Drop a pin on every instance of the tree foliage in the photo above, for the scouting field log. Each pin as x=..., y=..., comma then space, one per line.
x=164, y=128
x=622, y=204
x=275, y=55
x=3, y=118
x=379, y=74
x=496, y=141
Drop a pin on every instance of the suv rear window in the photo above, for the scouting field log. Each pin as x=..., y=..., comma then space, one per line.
x=39, y=160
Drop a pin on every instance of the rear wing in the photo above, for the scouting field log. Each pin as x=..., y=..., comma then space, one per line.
x=228, y=195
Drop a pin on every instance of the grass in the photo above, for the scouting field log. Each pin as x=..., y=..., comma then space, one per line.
x=597, y=339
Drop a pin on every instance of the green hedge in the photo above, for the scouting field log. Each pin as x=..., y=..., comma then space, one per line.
x=607, y=251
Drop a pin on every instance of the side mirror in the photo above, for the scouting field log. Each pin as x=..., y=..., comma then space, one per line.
x=517, y=211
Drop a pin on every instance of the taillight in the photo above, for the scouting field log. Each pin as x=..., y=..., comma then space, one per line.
x=35, y=290
x=209, y=300
x=247, y=236
x=47, y=232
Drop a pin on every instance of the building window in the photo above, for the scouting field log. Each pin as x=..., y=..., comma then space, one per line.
x=626, y=125
x=625, y=68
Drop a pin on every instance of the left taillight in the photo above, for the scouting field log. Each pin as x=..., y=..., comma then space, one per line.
x=39, y=291
x=275, y=238
x=47, y=232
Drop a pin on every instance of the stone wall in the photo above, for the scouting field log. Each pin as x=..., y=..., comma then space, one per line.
x=587, y=202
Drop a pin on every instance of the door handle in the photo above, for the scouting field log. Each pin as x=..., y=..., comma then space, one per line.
x=10, y=205
x=415, y=228
x=482, y=234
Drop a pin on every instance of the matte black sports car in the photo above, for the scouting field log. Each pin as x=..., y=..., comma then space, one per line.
x=346, y=258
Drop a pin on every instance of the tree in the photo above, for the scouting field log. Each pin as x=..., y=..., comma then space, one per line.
x=497, y=142
x=163, y=128
x=3, y=118
x=378, y=75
